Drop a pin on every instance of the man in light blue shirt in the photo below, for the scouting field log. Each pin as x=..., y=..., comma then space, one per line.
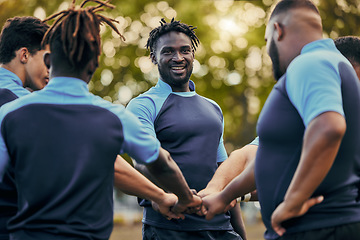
x=62, y=142
x=22, y=66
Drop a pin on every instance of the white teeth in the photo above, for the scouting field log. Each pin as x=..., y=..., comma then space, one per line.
x=177, y=68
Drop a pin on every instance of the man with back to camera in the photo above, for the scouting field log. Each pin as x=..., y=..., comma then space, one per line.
x=65, y=178
x=187, y=125
x=307, y=163
x=22, y=66
x=349, y=46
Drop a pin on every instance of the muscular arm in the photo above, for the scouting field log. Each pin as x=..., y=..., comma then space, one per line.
x=166, y=172
x=322, y=140
x=231, y=168
x=144, y=170
x=131, y=182
x=220, y=202
x=237, y=221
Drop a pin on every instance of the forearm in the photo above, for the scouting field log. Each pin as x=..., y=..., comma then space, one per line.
x=165, y=171
x=131, y=182
x=144, y=171
x=322, y=140
x=242, y=184
x=232, y=167
x=237, y=221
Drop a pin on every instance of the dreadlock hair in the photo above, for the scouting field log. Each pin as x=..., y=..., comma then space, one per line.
x=166, y=27
x=75, y=33
x=349, y=46
x=19, y=32
x=286, y=5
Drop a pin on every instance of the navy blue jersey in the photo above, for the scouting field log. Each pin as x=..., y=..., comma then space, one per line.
x=317, y=81
x=62, y=142
x=11, y=88
x=190, y=128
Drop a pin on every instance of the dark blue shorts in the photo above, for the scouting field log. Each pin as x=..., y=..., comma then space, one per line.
x=154, y=233
x=341, y=232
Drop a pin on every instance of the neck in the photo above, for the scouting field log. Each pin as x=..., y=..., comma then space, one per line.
x=178, y=87
x=72, y=74
x=181, y=89
x=17, y=69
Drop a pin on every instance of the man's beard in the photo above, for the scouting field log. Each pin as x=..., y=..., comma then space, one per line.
x=167, y=77
x=274, y=55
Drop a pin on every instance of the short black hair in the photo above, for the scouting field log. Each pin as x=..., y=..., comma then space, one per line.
x=173, y=26
x=286, y=5
x=21, y=32
x=349, y=46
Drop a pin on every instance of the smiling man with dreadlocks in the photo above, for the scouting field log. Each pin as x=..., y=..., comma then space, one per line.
x=62, y=142
x=187, y=125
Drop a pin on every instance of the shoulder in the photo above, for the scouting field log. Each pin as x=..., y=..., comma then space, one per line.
x=150, y=101
x=14, y=105
x=116, y=109
x=316, y=62
x=212, y=102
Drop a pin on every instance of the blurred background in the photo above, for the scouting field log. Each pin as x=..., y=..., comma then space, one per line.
x=231, y=65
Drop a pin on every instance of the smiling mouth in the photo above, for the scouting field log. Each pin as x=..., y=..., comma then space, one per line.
x=178, y=70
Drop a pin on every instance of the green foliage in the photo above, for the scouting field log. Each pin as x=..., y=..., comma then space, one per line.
x=231, y=65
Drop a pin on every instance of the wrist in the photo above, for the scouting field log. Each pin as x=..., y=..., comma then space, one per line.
x=214, y=187
x=157, y=195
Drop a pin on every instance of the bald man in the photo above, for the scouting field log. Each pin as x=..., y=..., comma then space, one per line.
x=308, y=161
x=349, y=46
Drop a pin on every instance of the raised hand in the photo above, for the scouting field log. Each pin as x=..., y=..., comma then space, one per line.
x=285, y=212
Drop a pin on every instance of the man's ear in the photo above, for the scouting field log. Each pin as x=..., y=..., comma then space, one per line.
x=279, y=28
x=23, y=54
x=153, y=58
x=47, y=60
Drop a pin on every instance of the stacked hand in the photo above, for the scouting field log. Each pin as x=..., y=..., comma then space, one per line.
x=165, y=206
x=205, y=203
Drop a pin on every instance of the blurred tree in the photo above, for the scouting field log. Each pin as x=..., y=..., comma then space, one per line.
x=231, y=65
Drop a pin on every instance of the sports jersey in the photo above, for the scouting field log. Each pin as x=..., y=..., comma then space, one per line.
x=190, y=128
x=11, y=88
x=319, y=80
x=255, y=141
x=62, y=142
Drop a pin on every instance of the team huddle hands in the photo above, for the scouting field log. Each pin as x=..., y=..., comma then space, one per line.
x=204, y=203
x=304, y=164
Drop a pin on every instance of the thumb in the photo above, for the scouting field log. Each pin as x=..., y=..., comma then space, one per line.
x=313, y=201
x=209, y=215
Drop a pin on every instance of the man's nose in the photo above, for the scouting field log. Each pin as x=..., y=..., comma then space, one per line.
x=178, y=56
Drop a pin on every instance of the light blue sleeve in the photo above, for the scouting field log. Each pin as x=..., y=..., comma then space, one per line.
x=255, y=141
x=221, y=152
x=138, y=143
x=144, y=108
x=314, y=87
x=4, y=154
x=4, y=158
